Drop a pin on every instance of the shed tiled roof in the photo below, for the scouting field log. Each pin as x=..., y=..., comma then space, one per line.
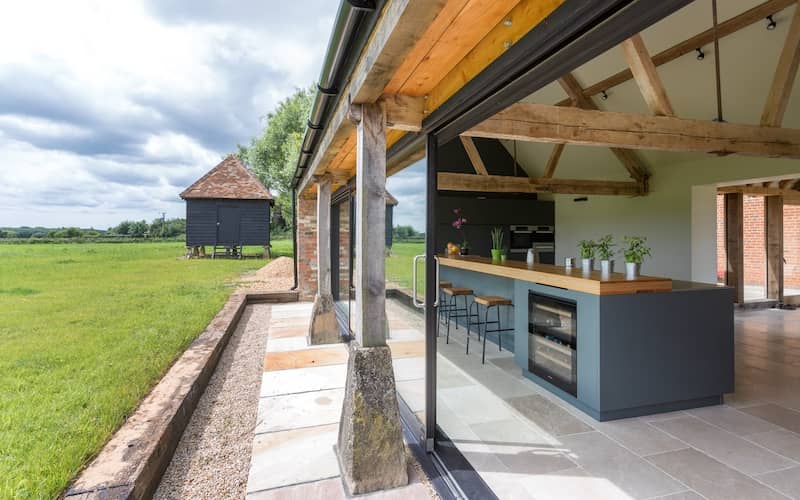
x=228, y=180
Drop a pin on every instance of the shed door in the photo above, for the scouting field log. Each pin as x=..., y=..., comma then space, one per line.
x=228, y=225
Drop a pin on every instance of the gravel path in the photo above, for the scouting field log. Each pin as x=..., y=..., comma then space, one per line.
x=213, y=457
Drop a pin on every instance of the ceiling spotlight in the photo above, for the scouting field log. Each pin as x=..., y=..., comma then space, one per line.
x=771, y=24
x=700, y=54
x=603, y=95
x=508, y=22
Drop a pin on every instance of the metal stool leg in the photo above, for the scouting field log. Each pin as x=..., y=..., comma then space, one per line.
x=450, y=311
x=485, y=333
x=500, y=332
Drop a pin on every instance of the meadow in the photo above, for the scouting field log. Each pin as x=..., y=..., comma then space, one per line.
x=399, y=265
x=85, y=331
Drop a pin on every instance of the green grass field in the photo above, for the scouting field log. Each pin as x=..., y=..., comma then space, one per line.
x=85, y=331
x=399, y=265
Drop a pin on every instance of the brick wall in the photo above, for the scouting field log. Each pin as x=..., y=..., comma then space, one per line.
x=755, y=241
x=791, y=246
x=307, y=248
x=344, y=251
x=755, y=254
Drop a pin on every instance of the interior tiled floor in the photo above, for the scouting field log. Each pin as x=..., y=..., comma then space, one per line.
x=526, y=443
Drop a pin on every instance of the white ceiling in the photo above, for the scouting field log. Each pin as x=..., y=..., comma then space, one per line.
x=747, y=64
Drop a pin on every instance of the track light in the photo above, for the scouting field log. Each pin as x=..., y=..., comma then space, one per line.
x=771, y=24
x=603, y=95
x=700, y=54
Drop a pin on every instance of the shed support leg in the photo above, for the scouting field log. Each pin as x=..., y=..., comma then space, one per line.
x=324, y=329
x=370, y=447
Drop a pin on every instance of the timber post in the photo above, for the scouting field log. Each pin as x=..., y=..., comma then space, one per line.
x=370, y=447
x=323, y=329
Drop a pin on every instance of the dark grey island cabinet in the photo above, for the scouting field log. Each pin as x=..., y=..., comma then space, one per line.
x=614, y=348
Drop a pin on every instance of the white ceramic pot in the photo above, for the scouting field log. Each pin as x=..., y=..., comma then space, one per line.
x=587, y=265
x=606, y=267
x=531, y=257
x=633, y=269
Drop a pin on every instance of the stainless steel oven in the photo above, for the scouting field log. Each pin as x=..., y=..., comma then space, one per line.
x=540, y=238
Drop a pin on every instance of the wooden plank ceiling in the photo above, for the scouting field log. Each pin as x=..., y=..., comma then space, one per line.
x=465, y=37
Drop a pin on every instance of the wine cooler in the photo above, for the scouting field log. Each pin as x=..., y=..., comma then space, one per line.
x=553, y=340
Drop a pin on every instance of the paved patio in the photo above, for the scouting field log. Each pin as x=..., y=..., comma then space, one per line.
x=524, y=442
x=299, y=407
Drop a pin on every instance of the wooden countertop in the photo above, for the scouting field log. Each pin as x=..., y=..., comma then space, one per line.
x=558, y=276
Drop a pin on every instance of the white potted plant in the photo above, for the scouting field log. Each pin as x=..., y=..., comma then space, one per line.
x=587, y=249
x=636, y=250
x=605, y=250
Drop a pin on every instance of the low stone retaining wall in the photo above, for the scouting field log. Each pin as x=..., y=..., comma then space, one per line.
x=131, y=464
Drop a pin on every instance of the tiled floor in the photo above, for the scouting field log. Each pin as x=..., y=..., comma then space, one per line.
x=526, y=443
x=298, y=414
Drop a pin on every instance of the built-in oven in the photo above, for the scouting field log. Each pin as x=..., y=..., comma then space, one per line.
x=540, y=238
x=553, y=340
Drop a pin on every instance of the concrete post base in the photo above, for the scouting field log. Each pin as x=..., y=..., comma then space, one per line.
x=324, y=328
x=371, y=451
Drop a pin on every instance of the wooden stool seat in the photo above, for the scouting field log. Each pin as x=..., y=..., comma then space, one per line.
x=492, y=300
x=457, y=291
x=445, y=284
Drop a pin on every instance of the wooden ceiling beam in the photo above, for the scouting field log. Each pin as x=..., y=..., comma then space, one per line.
x=403, y=112
x=726, y=28
x=646, y=76
x=474, y=156
x=542, y=123
x=759, y=191
x=552, y=162
x=785, y=73
x=628, y=158
x=450, y=181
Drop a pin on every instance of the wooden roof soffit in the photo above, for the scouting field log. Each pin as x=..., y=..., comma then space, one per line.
x=782, y=82
x=556, y=124
x=628, y=158
x=401, y=25
x=732, y=25
x=646, y=76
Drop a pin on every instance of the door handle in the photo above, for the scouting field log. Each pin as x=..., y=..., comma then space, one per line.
x=436, y=259
x=417, y=304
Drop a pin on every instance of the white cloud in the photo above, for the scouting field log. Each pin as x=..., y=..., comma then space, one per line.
x=136, y=99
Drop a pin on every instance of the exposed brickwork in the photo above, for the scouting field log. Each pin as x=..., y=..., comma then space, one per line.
x=755, y=256
x=307, y=247
x=344, y=251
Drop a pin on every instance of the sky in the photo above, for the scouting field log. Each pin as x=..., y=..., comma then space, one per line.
x=108, y=110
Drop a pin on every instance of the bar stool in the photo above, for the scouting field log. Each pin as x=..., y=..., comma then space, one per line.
x=443, y=305
x=454, y=311
x=489, y=302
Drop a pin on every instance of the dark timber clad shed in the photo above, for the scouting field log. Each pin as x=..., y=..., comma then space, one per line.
x=228, y=207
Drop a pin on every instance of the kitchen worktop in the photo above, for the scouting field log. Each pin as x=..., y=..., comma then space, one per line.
x=559, y=276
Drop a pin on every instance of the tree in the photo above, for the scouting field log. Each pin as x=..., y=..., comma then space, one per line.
x=124, y=227
x=138, y=229
x=273, y=155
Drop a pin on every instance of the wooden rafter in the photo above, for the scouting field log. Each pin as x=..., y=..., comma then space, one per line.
x=448, y=181
x=785, y=73
x=646, y=76
x=542, y=123
x=474, y=156
x=760, y=191
x=552, y=162
x=726, y=28
x=403, y=112
x=628, y=158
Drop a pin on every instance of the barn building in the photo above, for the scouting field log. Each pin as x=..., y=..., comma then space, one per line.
x=226, y=209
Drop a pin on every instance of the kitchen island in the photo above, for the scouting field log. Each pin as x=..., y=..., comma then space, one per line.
x=611, y=346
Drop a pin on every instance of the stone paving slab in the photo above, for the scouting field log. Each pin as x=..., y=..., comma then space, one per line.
x=288, y=331
x=292, y=457
x=404, y=349
x=295, y=411
x=305, y=358
x=299, y=380
x=286, y=344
